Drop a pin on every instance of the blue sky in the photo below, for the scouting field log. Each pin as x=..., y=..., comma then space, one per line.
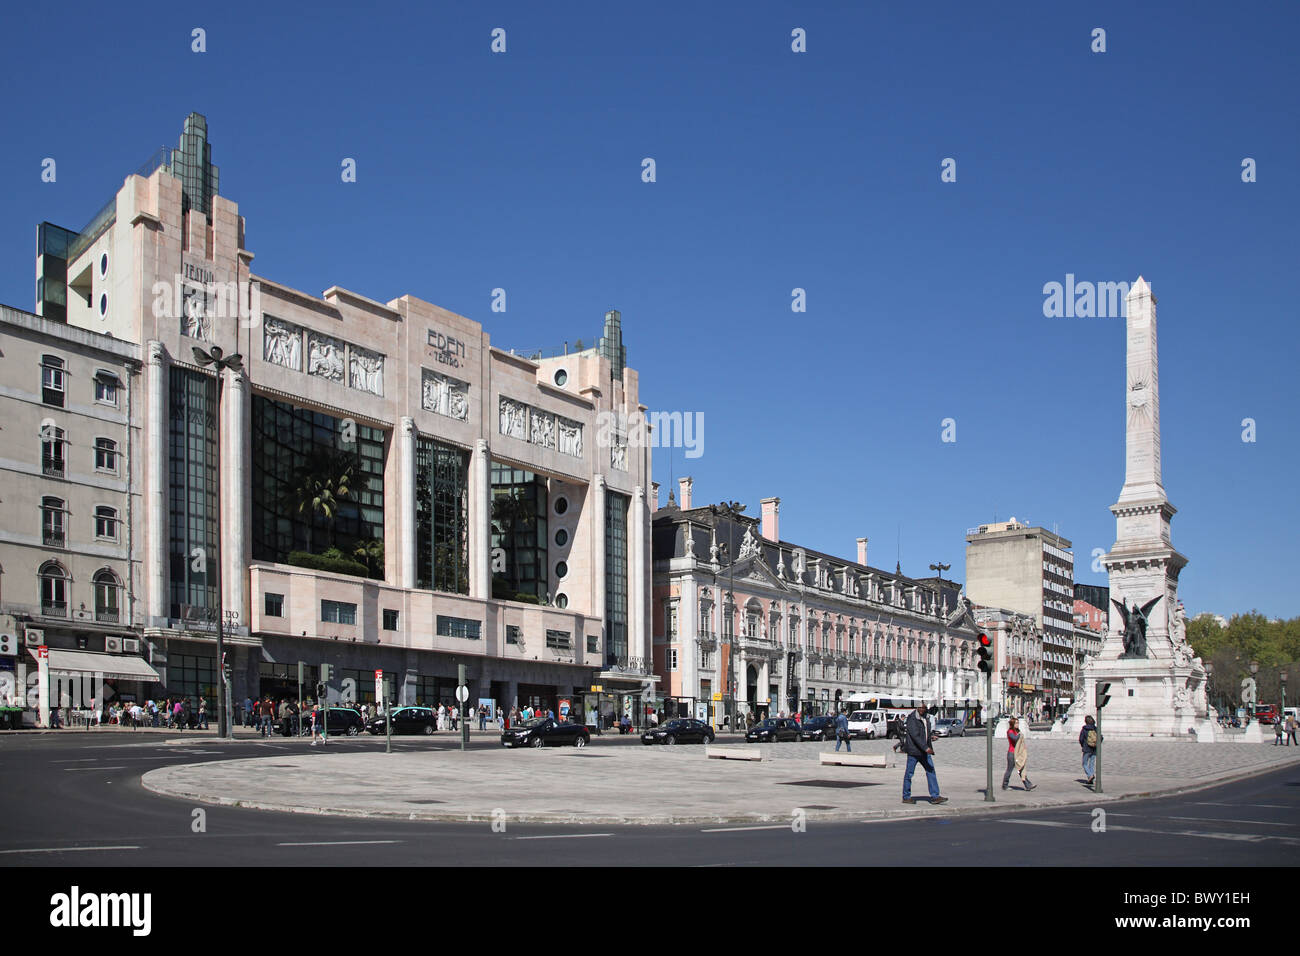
x=775, y=170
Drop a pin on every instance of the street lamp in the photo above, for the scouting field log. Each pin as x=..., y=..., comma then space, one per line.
x=1209, y=690
x=1283, y=676
x=1006, y=691
x=217, y=358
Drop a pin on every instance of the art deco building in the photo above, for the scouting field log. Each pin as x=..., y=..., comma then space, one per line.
x=805, y=630
x=488, y=520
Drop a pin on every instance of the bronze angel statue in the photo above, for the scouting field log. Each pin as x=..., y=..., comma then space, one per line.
x=1135, y=626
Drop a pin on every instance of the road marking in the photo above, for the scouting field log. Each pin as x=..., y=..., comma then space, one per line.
x=774, y=826
x=1262, y=806
x=564, y=836
x=76, y=760
x=123, y=767
x=1238, y=837
x=341, y=843
x=71, y=849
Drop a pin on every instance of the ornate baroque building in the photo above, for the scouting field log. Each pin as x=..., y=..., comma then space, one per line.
x=802, y=629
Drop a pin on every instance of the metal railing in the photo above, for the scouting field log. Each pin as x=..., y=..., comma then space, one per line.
x=53, y=539
x=52, y=467
x=54, y=608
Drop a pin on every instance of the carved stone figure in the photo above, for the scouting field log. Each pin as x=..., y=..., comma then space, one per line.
x=282, y=343
x=366, y=371
x=512, y=418
x=618, y=455
x=713, y=542
x=194, y=321
x=543, y=429
x=748, y=545
x=689, y=538
x=1135, y=627
x=445, y=396
x=570, y=441
x=1182, y=698
x=324, y=357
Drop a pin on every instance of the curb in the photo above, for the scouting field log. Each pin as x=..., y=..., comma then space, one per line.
x=845, y=816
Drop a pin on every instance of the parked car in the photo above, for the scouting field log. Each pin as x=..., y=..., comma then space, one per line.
x=337, y=722
x=949, y=727
x=817, y=728
x=773, y=730
x=868, y=724
x=406, y=720
x=679, y=731
x=546, y=732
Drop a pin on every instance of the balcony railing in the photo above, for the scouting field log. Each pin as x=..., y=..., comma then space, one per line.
x=53, y=539
x=52, y=467
x=54, y=608
x=106, y=614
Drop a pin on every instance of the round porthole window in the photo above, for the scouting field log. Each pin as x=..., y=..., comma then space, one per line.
x=562, y=570
x=103, y=264
x=561, y=600
x=103, y=305
x=561, y=377
x=561, y=538
x=561, y=505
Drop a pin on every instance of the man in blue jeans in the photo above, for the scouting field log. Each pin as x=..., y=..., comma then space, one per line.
x=1089, y=747
x=916, y=744
x=842, y=733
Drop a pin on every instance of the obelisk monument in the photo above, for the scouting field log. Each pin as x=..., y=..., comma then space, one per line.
x=1157, y=686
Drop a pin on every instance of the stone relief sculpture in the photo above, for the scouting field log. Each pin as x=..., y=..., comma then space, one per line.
x=282, y=343
x=570, y=437
x=324, y=356
x=366, y=370
x=194, y=319
x=543, y=429
x=748, y=545
x=445, y=396
x=618, y=455
x=512, y=418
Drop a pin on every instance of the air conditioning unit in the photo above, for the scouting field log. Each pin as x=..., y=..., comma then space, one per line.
x=113, y=645
x=8, y=645
x=131, y=645
x=35, y=638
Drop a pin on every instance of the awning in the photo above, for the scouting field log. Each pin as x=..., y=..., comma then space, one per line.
x=121, y=667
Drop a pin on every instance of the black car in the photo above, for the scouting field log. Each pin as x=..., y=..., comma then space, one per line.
x=340, y=721
x=773, y=730
x=546, y=732
x=680, y=731
x=817, y=728
x=406, y=720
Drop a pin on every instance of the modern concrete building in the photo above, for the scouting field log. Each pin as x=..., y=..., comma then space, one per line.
x=1029, y=570
x=489, y=518
x=794, y=629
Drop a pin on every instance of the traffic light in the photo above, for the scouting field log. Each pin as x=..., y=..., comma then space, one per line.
x=320, y=691
x=1103, y=695
x=324, y=673
x=985, y=654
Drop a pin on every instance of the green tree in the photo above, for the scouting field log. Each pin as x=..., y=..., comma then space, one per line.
x=371, y=554
x=319, y=486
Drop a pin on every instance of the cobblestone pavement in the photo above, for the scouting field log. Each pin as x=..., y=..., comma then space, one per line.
x=657, y=785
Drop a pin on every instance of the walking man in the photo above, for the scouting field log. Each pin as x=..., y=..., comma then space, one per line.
x=1290, y=729
x=916, y=743
x=1088, y=740
x=1017, y=755
x=842, y=733
x=1277, y=732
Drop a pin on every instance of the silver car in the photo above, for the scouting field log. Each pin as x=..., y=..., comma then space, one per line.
x=949, y=727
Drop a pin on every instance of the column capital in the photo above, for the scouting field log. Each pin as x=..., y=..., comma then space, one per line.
x=599, y=481
x=481, y=446
x=156, y=352
x=408, y=425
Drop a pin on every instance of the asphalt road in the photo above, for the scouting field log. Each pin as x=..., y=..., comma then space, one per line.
x=76, y=800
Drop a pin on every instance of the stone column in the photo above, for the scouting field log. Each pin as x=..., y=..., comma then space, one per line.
x=406, y=498
x=688, y=631
x=637, y=569
x=598, y=561
x=480, y=546
x=235, y=485
x=155, y=482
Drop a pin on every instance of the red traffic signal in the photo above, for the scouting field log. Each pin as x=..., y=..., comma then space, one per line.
x=985, y=654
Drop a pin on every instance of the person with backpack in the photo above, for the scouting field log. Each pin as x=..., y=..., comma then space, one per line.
x=1017, y=755
x=1088, y=741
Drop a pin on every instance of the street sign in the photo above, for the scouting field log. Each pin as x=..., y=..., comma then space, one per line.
x=462, y=693
x=717, y=697
x=597, y=688
x=379, y=686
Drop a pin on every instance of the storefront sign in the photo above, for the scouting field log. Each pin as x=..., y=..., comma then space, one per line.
x=446, y=350
x=379, y=685
x=717, y=697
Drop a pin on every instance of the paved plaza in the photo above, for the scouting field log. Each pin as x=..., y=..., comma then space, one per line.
x=665, y=785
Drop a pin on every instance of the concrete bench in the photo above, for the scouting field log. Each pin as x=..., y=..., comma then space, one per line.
x=732, y=753
x=855, y=760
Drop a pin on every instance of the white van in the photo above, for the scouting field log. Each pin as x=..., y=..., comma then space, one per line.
x=868, y=723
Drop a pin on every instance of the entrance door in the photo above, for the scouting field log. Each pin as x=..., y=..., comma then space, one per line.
x=751, y=684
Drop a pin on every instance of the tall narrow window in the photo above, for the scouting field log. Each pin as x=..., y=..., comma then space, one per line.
x=54, y=590
x=106, y=386
x=616, y=584
x=106, y=522
x=53, y=380
x=53, y=452
x=107, y=587
x=52, y=523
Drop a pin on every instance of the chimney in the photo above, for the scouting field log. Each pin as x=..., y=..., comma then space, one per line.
x=654, y=496
x=770, y=528
x=862, y=551
x=685, y=484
